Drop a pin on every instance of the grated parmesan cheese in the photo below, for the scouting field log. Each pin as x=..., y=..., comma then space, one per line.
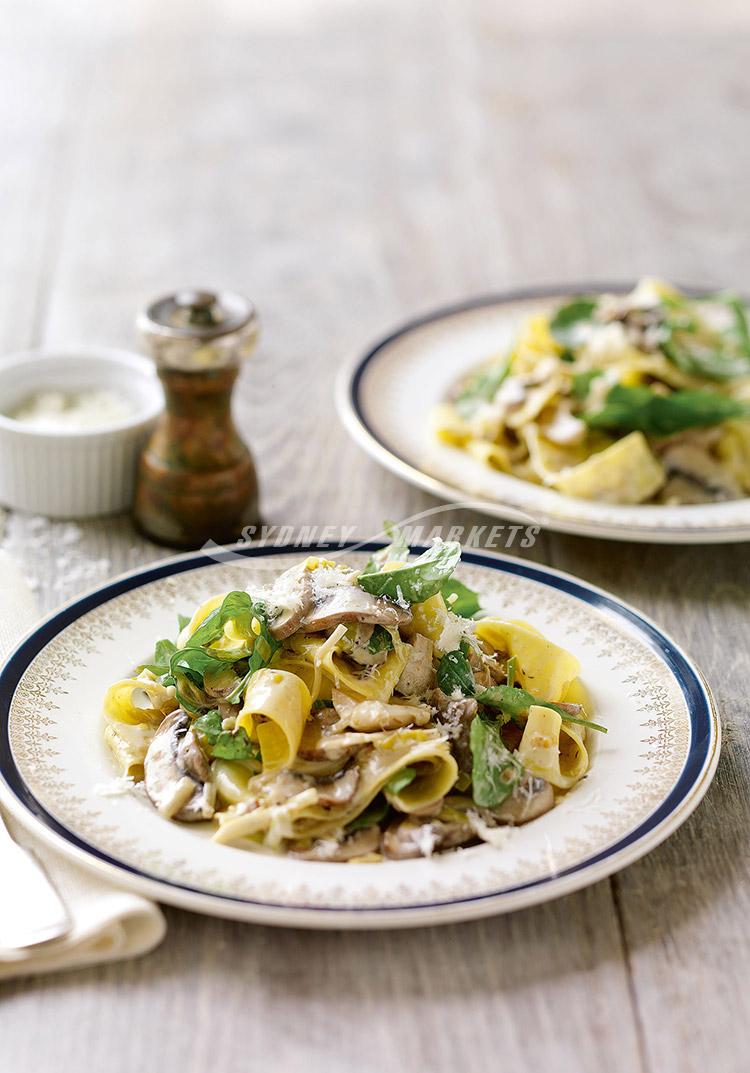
x=118, y=787
x=59, y=411
x=426, y=840
x=498, y=837
x=454, y=630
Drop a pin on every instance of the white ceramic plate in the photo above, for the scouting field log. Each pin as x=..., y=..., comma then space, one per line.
x=648, y=773
x=386, y=396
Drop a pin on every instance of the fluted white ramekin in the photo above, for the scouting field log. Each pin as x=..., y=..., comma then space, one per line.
x=74, y=474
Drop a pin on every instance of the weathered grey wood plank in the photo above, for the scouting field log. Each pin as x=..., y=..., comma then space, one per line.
x=347, y=166
x=683, y=905
x=233, y=996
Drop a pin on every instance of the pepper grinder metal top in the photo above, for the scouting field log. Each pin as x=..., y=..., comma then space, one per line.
x=194, y=330
x=196, y=478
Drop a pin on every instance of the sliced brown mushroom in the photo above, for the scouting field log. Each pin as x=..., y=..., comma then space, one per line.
x=322, y=743
x=348, y=603
x=324, y=717
x=321, y=597
x=693, y=476
x=340, y=789
x=218, y=686
x=369, y=716
x=292, y=595
x=456, y=716
x=285, y=784
x=177, y=775
x=192, y=758
x=531, y=798
x=480, y=667
x=418, y=675
x=356, y=844
x=413, y=837
x=227, y=710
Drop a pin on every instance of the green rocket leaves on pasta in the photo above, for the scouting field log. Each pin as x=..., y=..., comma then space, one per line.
x=236, y=607
x=432, y=574
x=454, y=674
x=482, y=387
x=395, y=552
x=642, y=409
x=163, y=653
x=316, y=729
x=566, y=322
x=200, y=663
x=495, y=772
x=460, y=599
x=514, y=702
x=190, y=669
x=418, y=580
x=224, y=744
x=701, y=351
x=581, y=382
x=617, y=398
x=264, y=648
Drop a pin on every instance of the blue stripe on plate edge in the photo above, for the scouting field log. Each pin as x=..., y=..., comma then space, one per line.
x=692, y=687
x=483, y=301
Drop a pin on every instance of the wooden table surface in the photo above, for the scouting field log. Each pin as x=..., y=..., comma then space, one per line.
x=347, y=165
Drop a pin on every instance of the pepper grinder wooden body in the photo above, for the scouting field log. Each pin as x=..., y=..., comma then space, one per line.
x=196, y=479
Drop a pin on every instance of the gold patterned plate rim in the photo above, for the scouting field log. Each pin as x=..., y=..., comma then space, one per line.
x=416, y=363
x=663, y=720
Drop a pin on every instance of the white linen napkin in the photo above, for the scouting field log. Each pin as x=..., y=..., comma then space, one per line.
x=108, y=924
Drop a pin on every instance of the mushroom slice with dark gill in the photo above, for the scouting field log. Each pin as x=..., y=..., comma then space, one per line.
x=356, y=844
x=418, y=675
x=480, y=668
x=218, y=687
x=293, y=595
x=339, y=789
x=456, y=716
x=177, y=775
x=693, y=476
x=370, y=716
x=531, y=798
x=348, y=603
x=419, y=838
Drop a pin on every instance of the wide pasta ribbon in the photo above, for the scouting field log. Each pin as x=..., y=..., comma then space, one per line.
x=200, y=617
x=552, y=749
x=138, y=700
x=324, y=657
x=128, y=743
x=276, y=707
x=303, y=817
x=544, y=668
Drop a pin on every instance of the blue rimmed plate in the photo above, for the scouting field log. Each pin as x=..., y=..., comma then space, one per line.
x=387, y=395
x=647, y=775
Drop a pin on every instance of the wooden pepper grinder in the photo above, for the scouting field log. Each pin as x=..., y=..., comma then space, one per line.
x=196, y=478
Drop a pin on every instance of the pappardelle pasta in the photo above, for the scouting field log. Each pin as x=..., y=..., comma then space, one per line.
x=354, y=715
x=638, y=398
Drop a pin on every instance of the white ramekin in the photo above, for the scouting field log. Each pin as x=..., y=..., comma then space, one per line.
x=74, y=474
